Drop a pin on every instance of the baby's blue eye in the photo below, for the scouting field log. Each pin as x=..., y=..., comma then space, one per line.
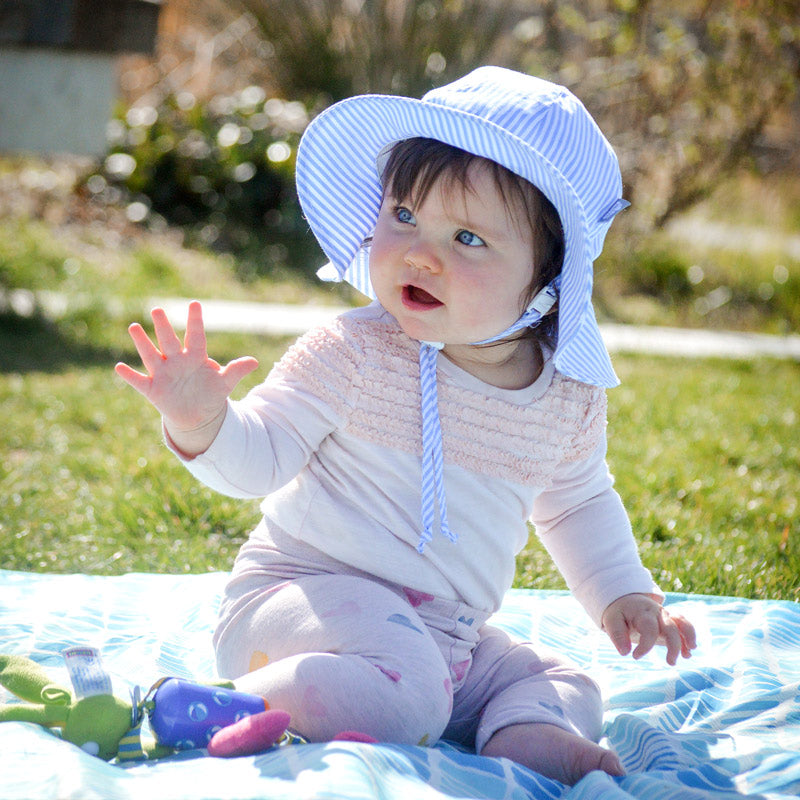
x=470, y=239
x=404, y=215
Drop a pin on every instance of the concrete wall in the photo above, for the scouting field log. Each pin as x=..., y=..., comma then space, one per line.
x=58, y=69
x=55, y=101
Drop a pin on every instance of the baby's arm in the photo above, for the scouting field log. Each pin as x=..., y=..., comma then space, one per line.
x=641, y=618
x=584, y=526
x=188, y=388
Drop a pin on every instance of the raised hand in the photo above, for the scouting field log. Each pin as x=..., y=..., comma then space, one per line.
x=188, y=388
x=641, y=619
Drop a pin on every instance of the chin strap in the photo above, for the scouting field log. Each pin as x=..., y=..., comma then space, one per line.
x=432, y=459
x=433, y=492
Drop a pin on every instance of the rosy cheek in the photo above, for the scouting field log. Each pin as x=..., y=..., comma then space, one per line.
x=475, y=291
x=380, y=245
x=380, y=272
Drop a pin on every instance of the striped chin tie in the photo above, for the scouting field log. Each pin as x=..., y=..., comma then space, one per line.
x=433, y=493
x=432, y=460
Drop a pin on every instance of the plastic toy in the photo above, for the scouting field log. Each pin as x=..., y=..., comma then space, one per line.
x=181, y=714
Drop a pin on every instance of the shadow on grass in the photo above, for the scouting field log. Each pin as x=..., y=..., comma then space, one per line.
x=37, y=344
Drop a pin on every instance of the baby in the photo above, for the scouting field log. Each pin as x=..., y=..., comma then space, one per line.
x=402, y=449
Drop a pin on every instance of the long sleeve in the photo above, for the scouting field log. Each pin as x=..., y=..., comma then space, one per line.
x=260, y=447
x=585, y=528
x=268, y=437
x=331, y=441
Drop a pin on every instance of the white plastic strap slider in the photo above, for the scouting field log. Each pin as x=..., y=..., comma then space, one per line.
x=544, y=300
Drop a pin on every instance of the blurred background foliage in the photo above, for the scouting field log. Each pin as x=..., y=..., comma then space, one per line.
x=690, y=93
x=685, y=89
x=222, y=169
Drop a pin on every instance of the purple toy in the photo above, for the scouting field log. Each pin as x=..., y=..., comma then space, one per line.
x=186, y=715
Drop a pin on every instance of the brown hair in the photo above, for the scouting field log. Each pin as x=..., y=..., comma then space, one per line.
x=415, y=165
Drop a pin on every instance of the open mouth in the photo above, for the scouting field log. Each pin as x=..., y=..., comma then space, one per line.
x=418, y=299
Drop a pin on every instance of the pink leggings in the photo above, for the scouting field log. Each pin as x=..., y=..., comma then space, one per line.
x=342, y=652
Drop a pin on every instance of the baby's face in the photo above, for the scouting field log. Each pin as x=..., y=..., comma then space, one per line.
x=457, y=268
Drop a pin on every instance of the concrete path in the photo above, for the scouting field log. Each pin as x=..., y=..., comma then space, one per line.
x=220, y=315
x=292, y=320
x=699, y=343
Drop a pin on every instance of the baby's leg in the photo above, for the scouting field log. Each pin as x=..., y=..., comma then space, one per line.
x=537, y=710
x=340, y=653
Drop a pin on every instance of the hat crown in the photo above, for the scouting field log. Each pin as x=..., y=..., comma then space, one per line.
x=499, y=95
x=552, y=121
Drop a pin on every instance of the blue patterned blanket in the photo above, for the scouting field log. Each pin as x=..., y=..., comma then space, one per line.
x=725, y=724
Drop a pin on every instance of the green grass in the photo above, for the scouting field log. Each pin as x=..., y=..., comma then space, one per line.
x=89, y=262
x=661, y=282
x=88, y=485
x=705, y=454
x=707, y=459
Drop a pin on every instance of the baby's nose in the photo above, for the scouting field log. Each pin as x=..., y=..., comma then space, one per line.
x=424, y=256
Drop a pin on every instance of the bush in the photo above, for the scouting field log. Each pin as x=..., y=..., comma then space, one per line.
x=662, y=274
x=659, y=281
x=686, y=90
x=222, y=170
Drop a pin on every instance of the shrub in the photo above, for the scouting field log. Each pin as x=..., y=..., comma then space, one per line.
x=662, y=274
x=686, y=90
x=222, y=170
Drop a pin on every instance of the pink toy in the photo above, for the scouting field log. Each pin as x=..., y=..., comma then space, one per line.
x=250, y=735
x=259, y=732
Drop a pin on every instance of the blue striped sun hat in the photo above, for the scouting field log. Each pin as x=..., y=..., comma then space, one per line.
x=536, y=129
x=533, y=127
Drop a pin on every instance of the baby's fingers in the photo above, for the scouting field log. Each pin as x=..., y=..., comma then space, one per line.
x=151, y=356
x=141, y=383
x=671, y=638
x=668, y=633
x=648, y=630
x=168, y=340
x=616, y=628
x=687, y=633
x=195, y=337
x=237, y=369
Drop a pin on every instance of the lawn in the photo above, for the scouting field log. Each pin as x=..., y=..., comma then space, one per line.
x=707, y=459
x=705, y=454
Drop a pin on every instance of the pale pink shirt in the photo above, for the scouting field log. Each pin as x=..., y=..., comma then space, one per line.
x=332, y=441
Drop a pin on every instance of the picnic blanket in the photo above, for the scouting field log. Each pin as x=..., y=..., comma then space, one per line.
x=724, y=724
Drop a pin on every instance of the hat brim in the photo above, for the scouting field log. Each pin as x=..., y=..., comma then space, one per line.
x=340, y=192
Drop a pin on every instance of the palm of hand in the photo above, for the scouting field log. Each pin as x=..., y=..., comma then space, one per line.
x=187, y=390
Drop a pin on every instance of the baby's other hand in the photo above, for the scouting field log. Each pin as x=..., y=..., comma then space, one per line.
x=642, y=619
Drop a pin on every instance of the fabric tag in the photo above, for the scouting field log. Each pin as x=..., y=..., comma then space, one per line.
x=86, y=671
